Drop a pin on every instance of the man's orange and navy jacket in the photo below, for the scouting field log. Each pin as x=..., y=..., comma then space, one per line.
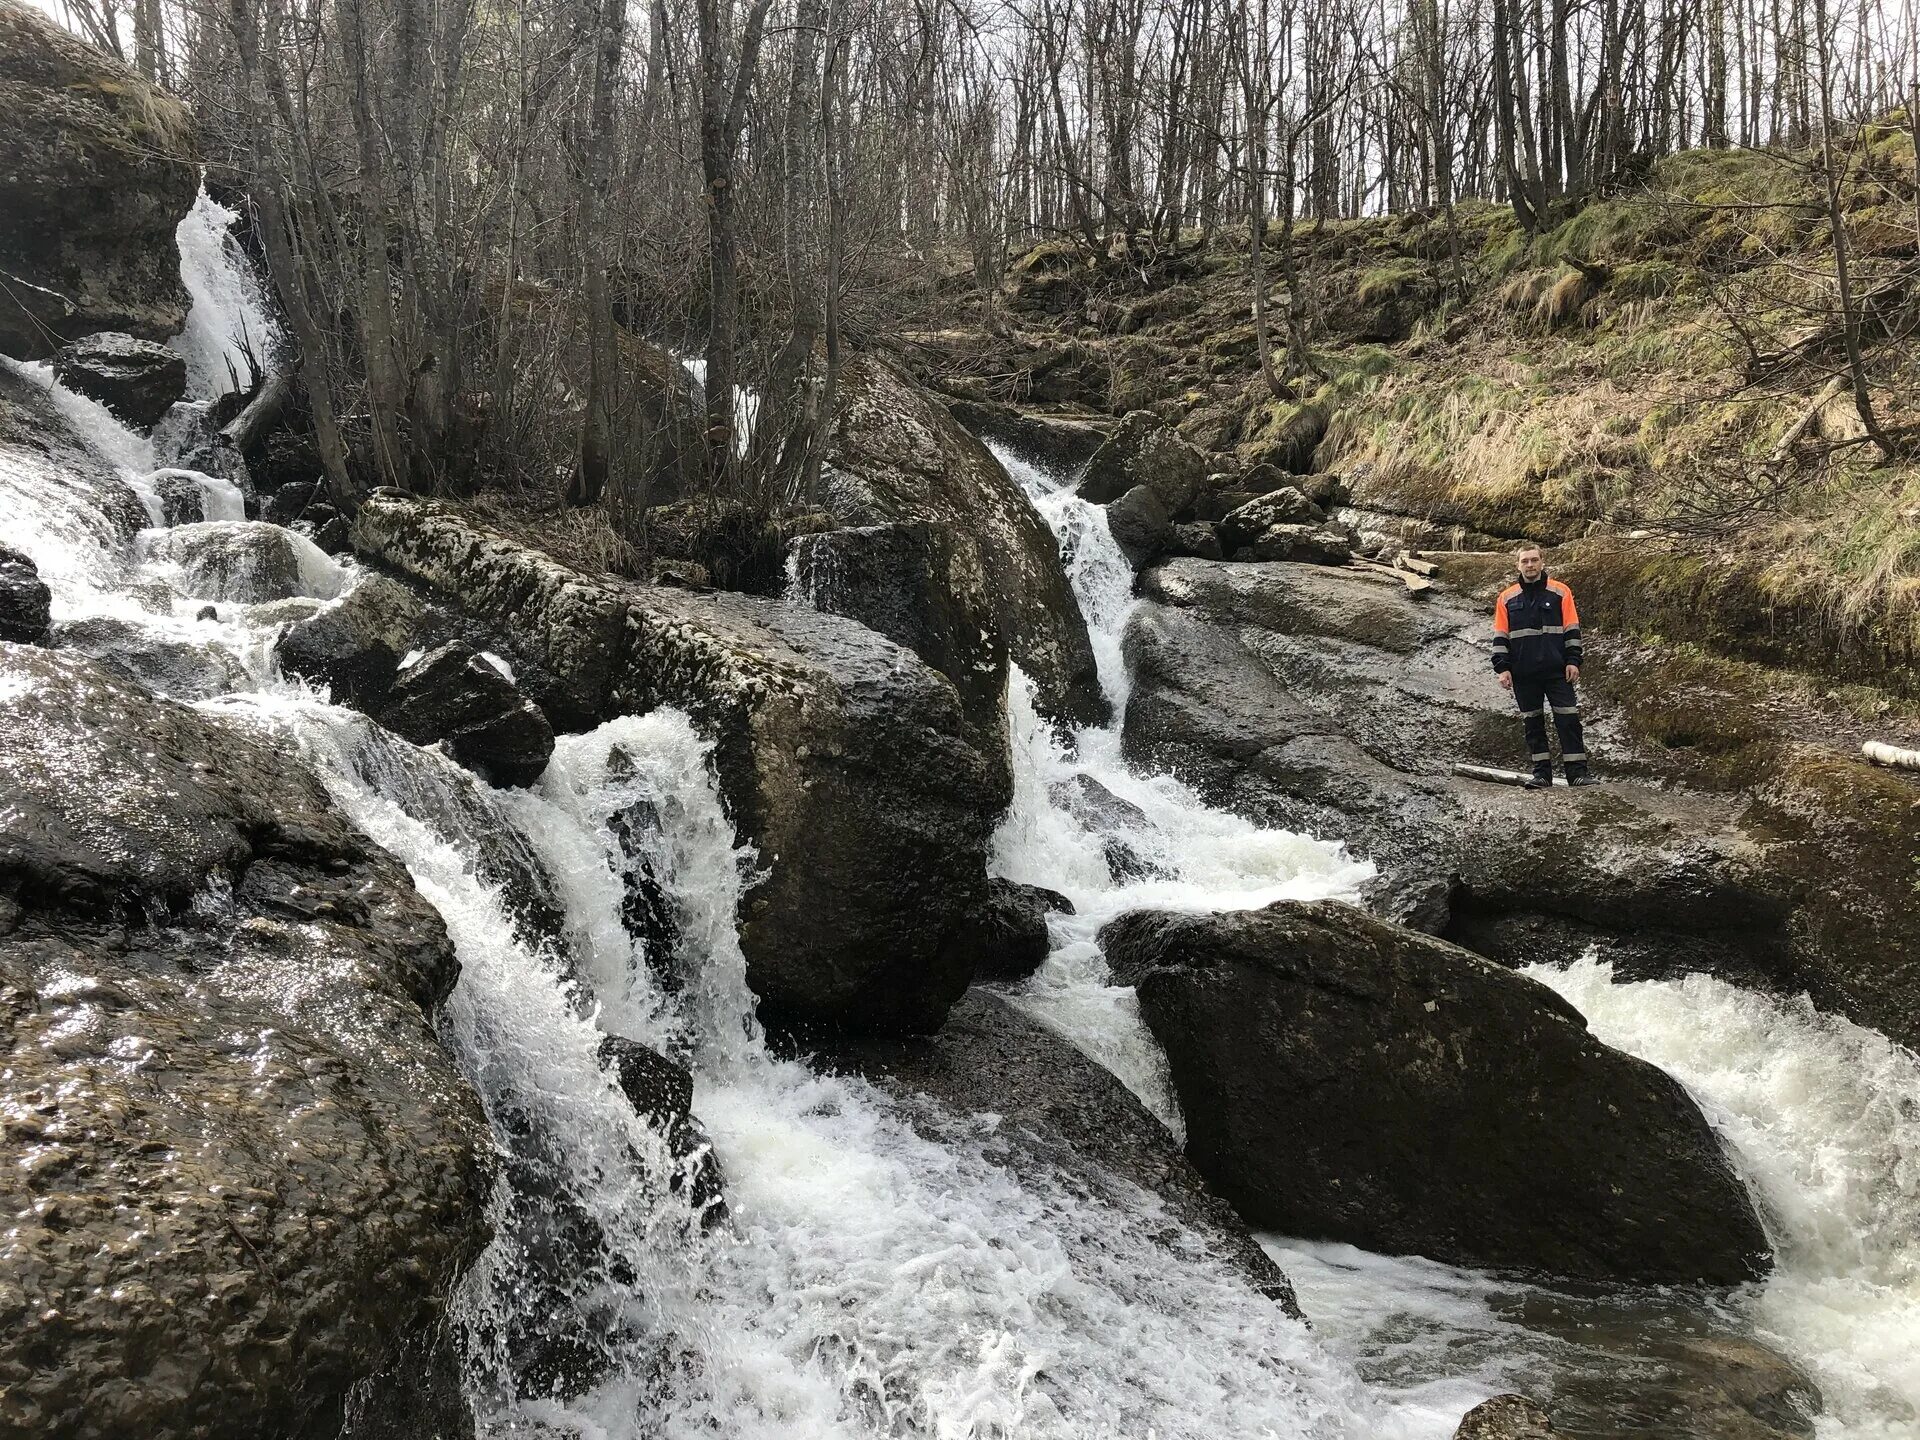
x=1536, y=629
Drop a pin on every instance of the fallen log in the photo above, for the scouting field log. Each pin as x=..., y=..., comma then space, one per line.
x=246, y=429
x=1894, y=757
x=1492, y=775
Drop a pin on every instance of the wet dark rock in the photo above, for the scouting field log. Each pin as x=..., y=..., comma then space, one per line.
x=898, y=455
x=914, y=585
x=101, y=166
x=330, y=533
x=661, y=1092
x=842, y=757
x=1349, y=1079
x=1506, y=1417
x=1305, y=544
x=1200, y=539
x=137, y=380
x=26, y=604
x=289, y=502
x=183, y=500
x=1007, y=936
x=453, y=695
x=287, y=457
x=245, y=1139
x=1062, y=1117
x=244, y=561
x=1061, y=443
x=179, y=669
x=208, y=612
x=1284, y=506
x=1143, y=451
x=1140, y=526
x=354, y=648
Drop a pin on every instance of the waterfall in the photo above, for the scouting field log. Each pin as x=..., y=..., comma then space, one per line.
x=879, y=1275
x=230, y=315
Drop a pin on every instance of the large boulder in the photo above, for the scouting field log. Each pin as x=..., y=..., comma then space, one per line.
x=246, y=1175
x=454, y=695
x=138, y=380
x=1060, y=1115
x=897, y=454
x=1143, y=451
x=842, y=758
x=912, y=583
x=1007, y=936
x=354, y=647
x=1350, y=1079
x=100, y=169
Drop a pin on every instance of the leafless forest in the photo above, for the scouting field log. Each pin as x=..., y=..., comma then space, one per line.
x=495, y=225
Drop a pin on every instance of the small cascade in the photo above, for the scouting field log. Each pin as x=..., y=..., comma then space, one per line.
x=1084, y=823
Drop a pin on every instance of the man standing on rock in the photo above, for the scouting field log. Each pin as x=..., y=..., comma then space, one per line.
x=1536, y=654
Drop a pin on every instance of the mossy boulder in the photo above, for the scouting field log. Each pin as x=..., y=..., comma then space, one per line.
x=101, y=167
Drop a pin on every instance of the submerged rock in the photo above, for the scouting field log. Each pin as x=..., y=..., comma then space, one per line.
x=26, y=604
x=1345, y=1078
x=136, y=379
x=898, y=455
x=842, y=758
x=177, y=668
x=1061, y=1116
x=100, y=169
x=454, y=695
x=248, y=1173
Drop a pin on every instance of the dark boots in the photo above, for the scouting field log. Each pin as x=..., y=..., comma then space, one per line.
x=1542, y=777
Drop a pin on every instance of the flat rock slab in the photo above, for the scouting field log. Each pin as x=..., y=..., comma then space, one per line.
x=842, y=757
x=1348, y=1079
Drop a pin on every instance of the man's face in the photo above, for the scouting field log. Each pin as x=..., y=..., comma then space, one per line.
x=1531, y=563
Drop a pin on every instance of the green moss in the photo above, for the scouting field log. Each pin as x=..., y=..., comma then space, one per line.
x=1389, y=281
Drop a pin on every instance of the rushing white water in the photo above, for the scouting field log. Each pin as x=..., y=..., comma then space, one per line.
x=231, y=317
x=1085, y=824
x=1823, y=1118
x=876, y=1277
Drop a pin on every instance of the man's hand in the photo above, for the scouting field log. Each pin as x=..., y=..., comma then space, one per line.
x=1506, y=679
x=1573, y=673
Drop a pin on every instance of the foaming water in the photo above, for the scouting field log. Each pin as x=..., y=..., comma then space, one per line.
x=1085, y=824
x=1823, y=1118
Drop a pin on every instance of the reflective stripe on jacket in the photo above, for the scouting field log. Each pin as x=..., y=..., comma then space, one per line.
x=1536, y=628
